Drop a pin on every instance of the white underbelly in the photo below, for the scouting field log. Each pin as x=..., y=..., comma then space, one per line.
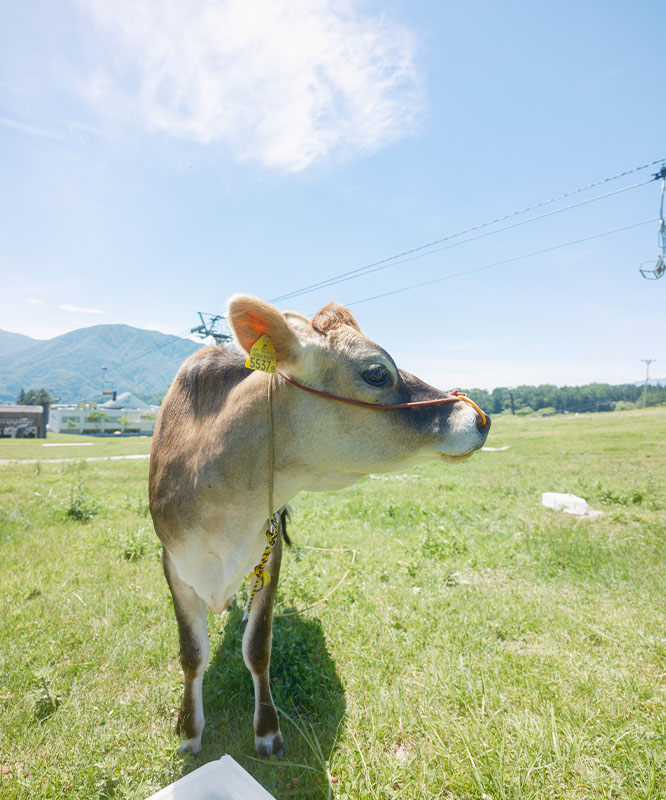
x=215, y=566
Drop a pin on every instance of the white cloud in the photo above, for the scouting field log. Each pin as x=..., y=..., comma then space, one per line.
x=66, y=307
x=284, y=82
x=22, y=127
x=36, y=302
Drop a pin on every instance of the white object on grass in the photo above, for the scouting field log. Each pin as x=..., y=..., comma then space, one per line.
x=496, y=449
x=218, y=780
x=69, y=444
x=569, y=503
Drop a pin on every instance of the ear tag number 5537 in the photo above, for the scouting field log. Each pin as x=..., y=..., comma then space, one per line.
x=262, y=356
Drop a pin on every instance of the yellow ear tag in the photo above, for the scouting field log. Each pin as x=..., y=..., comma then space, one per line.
x=262, y=356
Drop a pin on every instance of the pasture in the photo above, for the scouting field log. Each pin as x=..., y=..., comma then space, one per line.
x=468, y=644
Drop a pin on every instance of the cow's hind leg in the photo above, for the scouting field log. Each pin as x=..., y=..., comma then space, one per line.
x=194, y=651
x=257, y=655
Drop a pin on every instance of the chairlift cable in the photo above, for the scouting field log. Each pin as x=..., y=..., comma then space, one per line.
x=409, y=255
x=498, y=263
x=368, y=271
x=368, y=267
x=171, y=340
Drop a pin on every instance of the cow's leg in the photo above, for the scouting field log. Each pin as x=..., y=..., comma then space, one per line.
x=194, y=651
x=257, y=655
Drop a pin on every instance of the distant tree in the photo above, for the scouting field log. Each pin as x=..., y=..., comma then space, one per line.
x=36, y=397
x=523, y=411
x=480, y=397
x=149, y=416
x=625, y=405
x=97, y=416
x=572, y=399
x=124, y=422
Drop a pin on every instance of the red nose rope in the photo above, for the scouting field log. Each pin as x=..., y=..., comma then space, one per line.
x=455, y=395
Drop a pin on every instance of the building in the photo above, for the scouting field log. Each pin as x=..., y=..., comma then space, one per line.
x=22, y=422
x=126, y=414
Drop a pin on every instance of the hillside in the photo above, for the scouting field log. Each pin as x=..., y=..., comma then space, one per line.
x=70, y=366
x=13, y=342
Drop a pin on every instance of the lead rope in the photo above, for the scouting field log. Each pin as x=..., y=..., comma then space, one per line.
x=261, y=576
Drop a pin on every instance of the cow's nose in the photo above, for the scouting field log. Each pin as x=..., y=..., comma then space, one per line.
x=483, y=427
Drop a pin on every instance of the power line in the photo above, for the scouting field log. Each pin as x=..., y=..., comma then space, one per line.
x=497, y=263
x=416, y=252
x=388, y=261
x=179, y=336
x=368, y=271
x=171, y=340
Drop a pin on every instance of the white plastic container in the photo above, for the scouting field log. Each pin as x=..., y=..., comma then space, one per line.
x=569, y=503
x=218, y=780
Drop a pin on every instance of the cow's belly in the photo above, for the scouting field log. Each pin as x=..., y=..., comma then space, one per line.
x=215, y=566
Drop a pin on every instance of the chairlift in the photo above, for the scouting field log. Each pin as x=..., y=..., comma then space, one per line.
x=653, y=273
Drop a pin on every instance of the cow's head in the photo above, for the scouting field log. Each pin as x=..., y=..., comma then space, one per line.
x=330, y=353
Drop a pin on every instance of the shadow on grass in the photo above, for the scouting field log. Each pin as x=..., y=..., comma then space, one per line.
x=306, y=689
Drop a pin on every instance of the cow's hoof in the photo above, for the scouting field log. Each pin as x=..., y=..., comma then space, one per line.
x=270, y=745
x=190, y=747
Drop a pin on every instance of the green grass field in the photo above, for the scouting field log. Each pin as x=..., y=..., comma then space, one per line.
x=481, y=646
x=72, y=446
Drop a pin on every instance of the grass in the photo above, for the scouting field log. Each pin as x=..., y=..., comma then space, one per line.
x=72, y=446
x=480, y=646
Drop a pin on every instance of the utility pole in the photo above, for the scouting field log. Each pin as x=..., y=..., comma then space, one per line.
x=510, y=388
x=647, y=361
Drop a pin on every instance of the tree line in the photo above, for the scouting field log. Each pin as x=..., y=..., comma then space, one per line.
x=544, y=399
x=551, y=399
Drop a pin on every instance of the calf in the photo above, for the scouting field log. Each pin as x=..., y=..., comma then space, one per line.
x=232, y=446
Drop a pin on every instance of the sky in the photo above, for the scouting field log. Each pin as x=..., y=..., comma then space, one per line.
x=158, y=157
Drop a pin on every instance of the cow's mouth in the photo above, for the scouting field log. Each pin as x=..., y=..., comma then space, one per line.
x=456, y=459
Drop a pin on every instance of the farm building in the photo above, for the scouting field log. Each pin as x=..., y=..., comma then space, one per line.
x=126, y=414
x=22, y=422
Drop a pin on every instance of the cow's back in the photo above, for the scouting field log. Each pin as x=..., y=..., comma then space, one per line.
x=184, y=438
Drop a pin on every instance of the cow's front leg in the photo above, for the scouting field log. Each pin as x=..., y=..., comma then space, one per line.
x=194, y=651
x=257, y=641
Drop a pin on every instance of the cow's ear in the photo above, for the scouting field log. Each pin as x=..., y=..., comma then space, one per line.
x=250, y=318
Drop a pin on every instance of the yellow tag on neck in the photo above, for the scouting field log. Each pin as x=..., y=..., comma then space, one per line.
x=262, y=356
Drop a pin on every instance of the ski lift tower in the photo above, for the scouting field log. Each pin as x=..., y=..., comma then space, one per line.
x=213, y=326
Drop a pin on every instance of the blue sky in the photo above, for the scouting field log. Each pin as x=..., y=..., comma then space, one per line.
x=158, y=157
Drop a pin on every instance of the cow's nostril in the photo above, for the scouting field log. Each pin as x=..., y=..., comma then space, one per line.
x=483, y=427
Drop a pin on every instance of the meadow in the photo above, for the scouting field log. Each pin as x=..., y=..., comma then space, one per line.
x=438, y=634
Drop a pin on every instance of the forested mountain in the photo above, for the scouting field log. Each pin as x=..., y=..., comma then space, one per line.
x=550, y=399
x=69, y=367
x=13, y=342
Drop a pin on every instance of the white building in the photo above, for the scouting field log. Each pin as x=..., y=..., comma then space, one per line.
x=126, y=414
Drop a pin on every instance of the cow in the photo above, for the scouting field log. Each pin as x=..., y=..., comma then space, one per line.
x=228, y=438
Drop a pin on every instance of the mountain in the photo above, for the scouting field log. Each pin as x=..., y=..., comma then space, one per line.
x=70, y=366
x=13, y=342
x=652, y=382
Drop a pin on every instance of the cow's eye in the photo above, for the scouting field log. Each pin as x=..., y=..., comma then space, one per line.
x=377, y=375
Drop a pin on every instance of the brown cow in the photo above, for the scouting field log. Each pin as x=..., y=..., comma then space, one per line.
x=209, y=475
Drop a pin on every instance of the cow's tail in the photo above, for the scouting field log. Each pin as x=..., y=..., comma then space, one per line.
x=285, y=514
